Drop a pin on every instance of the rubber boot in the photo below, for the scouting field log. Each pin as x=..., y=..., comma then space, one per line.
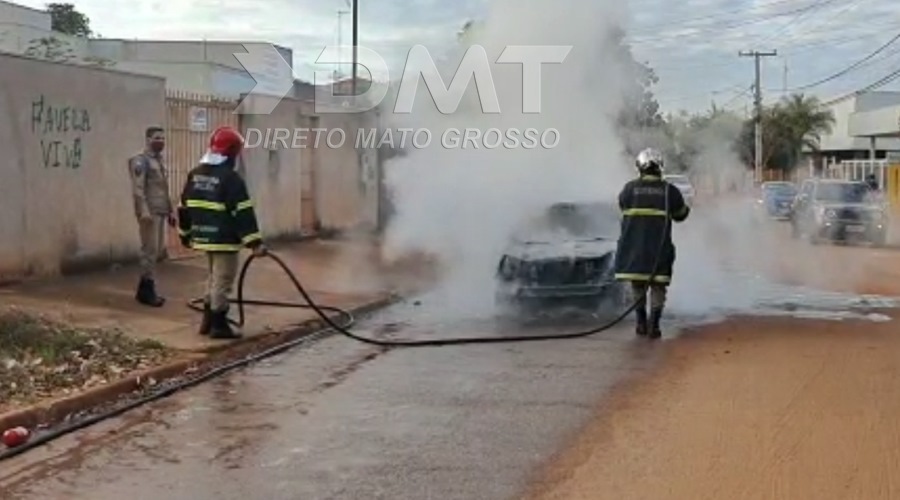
x=220, y=328
x=146, y=294
x=206, y=322
x=641, y=314
x=655, y=317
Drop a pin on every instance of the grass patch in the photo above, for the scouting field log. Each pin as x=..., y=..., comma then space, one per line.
x=40, y=358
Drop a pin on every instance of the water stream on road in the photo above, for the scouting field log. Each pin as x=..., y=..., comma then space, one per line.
x=741, y=294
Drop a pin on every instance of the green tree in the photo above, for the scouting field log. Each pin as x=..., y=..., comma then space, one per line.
x=64, y=18
x=789, y=126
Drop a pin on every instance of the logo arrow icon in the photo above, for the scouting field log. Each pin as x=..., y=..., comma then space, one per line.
x=273, y=75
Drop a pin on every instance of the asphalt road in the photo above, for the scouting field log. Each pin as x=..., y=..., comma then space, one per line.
x=342, y=420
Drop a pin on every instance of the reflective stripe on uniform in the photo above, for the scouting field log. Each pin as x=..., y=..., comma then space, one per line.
x=642, y=277
x=206, y=205
x=644, y=212
x=251, y=237
x=683, y=211
x=182, y=232
x=243, y=205
x=216, y=247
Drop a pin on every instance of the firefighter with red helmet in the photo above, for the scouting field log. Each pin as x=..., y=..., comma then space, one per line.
x=217, y=217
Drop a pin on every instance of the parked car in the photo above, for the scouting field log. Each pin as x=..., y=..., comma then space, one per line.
x=776, y=198
x=839, y=210
x=563, y=260
x=684, y=185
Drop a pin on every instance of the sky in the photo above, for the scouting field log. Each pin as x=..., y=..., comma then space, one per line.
x=692, y=45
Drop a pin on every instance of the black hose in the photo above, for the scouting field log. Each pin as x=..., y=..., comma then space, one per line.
x=343, y=329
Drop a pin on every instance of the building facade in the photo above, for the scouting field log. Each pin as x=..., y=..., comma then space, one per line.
x=860, y=131
x=197, y=66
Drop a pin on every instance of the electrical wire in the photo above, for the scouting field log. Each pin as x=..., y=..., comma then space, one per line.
x=890, y=77
x=848, y=68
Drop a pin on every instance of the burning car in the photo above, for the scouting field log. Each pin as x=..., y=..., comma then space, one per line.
x=563, y=260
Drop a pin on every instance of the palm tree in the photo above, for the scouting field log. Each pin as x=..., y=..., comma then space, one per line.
x=790, y=126
x=807, y=119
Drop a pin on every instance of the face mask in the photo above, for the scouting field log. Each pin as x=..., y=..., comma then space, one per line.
x=157, y=146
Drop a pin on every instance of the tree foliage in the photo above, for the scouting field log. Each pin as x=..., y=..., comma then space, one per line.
x=64, y=18
x=795, y=123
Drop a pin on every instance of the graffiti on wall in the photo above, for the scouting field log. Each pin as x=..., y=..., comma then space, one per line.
x=61, y=129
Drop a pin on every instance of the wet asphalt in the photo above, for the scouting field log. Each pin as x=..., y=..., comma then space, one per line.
x=344, y=420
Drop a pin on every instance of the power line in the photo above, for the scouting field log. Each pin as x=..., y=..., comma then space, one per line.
x=810, y=8
x=719, y=28
x=890, y=77
x=849, y=68
x=789, y=51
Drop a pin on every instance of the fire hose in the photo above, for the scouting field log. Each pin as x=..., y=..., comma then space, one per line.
x=332, y=324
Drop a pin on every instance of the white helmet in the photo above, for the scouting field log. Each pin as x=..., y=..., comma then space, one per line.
x=648, y=159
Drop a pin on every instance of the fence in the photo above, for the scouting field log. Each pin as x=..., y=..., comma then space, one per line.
x=190, y=117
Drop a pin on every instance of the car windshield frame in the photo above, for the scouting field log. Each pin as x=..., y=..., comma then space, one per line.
x=781, y=189
x=843, y=192
x=586, y=222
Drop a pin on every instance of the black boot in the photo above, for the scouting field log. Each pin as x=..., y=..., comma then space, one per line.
x=641, y=314
x=146, y=294
x=655, y=317
x=206, y=322
x=220, y=327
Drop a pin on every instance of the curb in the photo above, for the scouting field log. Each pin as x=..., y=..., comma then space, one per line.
x=55, y=411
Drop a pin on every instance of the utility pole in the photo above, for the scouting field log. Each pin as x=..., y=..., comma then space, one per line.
x=355, y=41
x=341, y=13
x=757, y=98
x=784, y=79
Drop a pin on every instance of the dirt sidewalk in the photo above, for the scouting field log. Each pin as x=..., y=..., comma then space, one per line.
x=345, y=274
x=756, y=408
x=335, y=273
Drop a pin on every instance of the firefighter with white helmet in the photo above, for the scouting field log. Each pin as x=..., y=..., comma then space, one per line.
x=216, y=216
x=646, y=254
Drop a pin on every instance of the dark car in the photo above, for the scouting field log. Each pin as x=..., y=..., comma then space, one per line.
x=563, y=260
x=776, y=198
x=839, y=210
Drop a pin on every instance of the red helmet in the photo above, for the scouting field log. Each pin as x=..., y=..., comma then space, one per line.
x=226, y=141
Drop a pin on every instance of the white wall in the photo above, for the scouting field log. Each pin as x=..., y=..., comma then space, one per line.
x=66, y=136
x=840, y=138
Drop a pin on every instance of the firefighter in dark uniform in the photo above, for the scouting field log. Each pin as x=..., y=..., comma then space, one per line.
x=216, y=216
x=649, y=204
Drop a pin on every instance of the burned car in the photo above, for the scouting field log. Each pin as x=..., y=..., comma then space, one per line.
x=563, y=260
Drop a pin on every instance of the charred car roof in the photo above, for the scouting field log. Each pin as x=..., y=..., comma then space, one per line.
x=568, y=231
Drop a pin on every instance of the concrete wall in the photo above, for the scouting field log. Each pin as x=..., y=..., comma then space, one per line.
x=66, y=135
x=293, y=175
x=185, y=51
x=19, y=15
x=274, y=171
x=346, y=176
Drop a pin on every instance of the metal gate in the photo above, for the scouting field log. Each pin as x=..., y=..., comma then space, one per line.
x=190, y=118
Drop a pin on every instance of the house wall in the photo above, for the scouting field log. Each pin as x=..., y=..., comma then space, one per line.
x=68, y=133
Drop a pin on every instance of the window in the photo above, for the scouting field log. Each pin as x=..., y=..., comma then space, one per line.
x=843, y=192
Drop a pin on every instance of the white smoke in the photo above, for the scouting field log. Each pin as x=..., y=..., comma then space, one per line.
x=461, y=205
